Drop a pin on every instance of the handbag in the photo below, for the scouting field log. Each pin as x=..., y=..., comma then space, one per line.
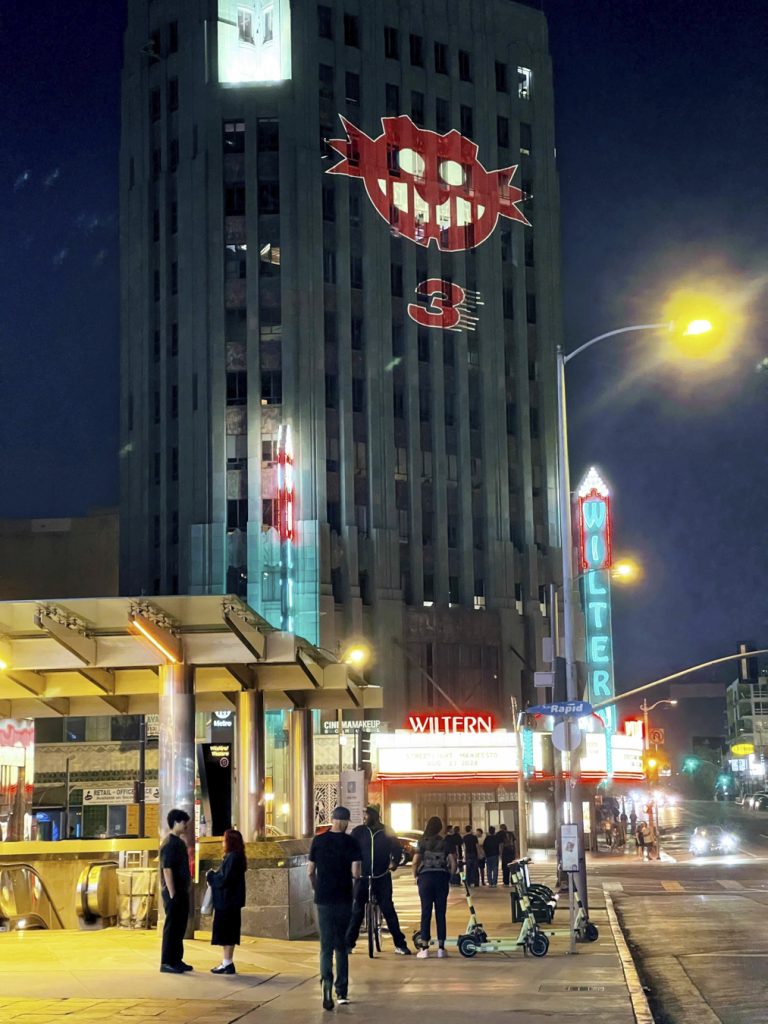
x=206, y=907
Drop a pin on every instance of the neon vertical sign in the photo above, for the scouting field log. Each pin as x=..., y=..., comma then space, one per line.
x=594, y=526
x=286, y=525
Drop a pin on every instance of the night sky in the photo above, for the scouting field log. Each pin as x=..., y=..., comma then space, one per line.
x=662, y=154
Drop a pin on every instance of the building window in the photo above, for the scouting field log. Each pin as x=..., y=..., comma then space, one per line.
x=156, y=469
x=237, y=514
x=502, y=82
x=324, y=21
x=442, y=115
x=174, y=217
x=391, y=43
x=268, y=135
x=173, y=37
x=467, y=122
x=417, y=108
x=331, y=391
x=425, y=401
x=156, y=226
x=524, y=83
x=329, y=266
x=156, y=531
x=237, y=387
x=329, y=203
x=508, y=302
x=156, y=285
x=356, y=271
x=465, y=66
x=534, y=417
x=530, y=307
x=131, y=173
x=174, y=464
x=352, y=83
x=174, y=338
x=173, y=155
x=174, y=401
x=155, y=106
x=423, y=345
x=441, y=59
x=529, y=256
x=502, y=131
x=269, y=197
x=357, y=333
x=174, y=278
x=234, y=137
x=396, y=278
x=173, y=94
x=401, y=464
x=234, y=200
x=417, y=51
x=398, y=402
x=174, y=533
x=271, y=387
x=358, y=394
x=511, y=419
x=351, y=30
x=392, y=100
x=398, y=346
x=361, y=519
x=526, y=138
x=157, y=163
x=325, y=73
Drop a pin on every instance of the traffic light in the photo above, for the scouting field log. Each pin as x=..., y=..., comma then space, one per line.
x=651, y=766
x=690, y=764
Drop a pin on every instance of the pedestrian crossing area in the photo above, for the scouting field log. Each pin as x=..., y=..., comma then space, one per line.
x=694, y=886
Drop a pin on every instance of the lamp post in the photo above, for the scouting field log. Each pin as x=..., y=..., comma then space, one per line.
x=645, y=709
x=694, y=328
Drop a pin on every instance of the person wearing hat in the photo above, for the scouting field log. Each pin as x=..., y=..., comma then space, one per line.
x=334, y=862
x=380, y=853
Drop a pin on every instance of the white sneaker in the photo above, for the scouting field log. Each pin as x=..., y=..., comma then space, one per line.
x=441, y=954
x=422, y=954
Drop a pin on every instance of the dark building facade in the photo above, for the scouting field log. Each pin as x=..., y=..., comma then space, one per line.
x=338, y=335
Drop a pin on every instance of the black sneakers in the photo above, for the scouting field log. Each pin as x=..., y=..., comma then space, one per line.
x=186, y=967
x=171, y=969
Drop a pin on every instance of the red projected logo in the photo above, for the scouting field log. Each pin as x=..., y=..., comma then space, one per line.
x=447, y=306
x=428, y=187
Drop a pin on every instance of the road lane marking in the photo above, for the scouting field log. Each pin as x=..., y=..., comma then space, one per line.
x=613, y=887
x=729, y=883
x=673, y=886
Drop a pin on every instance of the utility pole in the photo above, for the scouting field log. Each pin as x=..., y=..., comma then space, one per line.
x=522, y=801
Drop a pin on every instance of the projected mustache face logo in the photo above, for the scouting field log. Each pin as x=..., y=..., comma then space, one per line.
x=428, y=187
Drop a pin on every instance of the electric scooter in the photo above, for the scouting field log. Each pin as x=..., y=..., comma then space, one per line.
x=531, y=939
x=584, y=929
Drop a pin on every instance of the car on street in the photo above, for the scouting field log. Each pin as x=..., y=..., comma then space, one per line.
x=714, y=839
x=761, y=803
x=752, y=801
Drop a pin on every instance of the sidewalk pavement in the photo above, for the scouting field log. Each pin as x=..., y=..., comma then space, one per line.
x=72, y=977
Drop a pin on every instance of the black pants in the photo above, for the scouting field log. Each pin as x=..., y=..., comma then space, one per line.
x=505, y=870
x=176, y=917
x=333, y=922
x=473, y=876
x=382, y=888
x=481, y=870
x=433, y=892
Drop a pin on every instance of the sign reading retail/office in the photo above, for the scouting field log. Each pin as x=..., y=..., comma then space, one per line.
x=594, y=531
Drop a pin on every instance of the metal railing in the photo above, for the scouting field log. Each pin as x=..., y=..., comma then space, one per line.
x=25, y=902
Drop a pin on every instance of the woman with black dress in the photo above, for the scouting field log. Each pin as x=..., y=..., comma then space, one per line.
x=228, y=884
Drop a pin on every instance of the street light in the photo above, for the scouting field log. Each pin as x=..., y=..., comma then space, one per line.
x=645, y=709
x=679, y=322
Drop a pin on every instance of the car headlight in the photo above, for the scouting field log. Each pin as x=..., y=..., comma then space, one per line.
x=730, y=842
x=699, y=845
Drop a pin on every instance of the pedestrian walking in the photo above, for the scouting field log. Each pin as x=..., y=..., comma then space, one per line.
x=640, y=839
x=508, y=852
x=480, y=855
x=457, y=849
x=470, y=856
x=334, y=862
x=228, y=885
x=433, y=866
x=175, y=880
x=380, y=854
x=491, y=844
x=608, y=830
x=652, y=841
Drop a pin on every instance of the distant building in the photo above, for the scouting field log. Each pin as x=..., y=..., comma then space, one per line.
x=747, y=716
x=60, y=558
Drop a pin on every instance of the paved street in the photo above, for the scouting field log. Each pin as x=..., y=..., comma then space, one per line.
x=697, y=927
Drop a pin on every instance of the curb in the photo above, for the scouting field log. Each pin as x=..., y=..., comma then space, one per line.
x=638, y=998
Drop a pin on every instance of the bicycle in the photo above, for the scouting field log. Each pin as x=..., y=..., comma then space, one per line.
x=373, y=917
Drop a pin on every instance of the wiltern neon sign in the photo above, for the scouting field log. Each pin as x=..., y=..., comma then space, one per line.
x=594, y=525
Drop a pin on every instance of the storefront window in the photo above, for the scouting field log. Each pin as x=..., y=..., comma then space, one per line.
x=278, y=772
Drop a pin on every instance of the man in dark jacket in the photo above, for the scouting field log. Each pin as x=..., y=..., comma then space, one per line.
x=470, y=856
x=380, y=854
x=491, y=844
x=175, y=880
x=508, y=852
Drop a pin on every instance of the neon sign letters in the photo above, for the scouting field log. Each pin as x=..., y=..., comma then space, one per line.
x=428, y=187
x=451, y=723
x=594, y=524
x=448, y=306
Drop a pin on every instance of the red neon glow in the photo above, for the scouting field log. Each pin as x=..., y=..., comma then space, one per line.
x=428, y=187
x=594, y=531
x=285, y=487
x=443, y=298
x=451, y=723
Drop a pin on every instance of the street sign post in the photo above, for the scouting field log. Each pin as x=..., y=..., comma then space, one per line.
x=656, y=736
x=570, y=708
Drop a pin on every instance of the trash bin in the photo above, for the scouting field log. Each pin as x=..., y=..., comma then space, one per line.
x=136, y=897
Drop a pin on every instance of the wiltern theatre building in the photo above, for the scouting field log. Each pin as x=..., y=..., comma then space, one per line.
x=340, y=305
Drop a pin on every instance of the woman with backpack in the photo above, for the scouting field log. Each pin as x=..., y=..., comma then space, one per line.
x=433, y=866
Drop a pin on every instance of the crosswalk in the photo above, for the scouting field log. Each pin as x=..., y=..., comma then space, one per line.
x=708, y=886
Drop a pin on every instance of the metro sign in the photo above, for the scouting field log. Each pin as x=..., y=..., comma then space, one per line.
x=451, y=723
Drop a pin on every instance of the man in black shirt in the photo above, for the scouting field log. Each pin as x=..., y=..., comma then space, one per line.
x=334, y=861
x=175, y=879
x=380, y=854
x=491, y=844
x=470, y=856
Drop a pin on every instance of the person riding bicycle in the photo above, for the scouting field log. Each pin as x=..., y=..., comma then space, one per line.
x=380, y=854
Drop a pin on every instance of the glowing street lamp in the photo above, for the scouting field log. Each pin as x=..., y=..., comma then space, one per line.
x=357, y=655
x=626, y=571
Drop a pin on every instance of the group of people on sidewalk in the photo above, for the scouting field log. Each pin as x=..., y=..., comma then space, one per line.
x=345, y=870
x=618, y=828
